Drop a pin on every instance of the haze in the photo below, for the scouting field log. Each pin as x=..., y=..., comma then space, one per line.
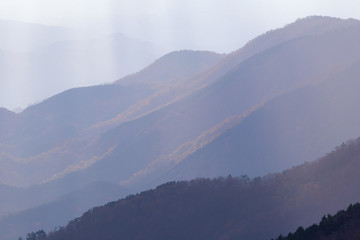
x=168, y=25
x=269, y=111
x=209, y=24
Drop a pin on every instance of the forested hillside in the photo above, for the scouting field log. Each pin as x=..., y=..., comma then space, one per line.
x=230, y=207
x=344, y=225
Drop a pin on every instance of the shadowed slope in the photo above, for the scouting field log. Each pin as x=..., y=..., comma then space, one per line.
x=230, y=208
x=288, y=130
x=60, y=211
x=302, y=62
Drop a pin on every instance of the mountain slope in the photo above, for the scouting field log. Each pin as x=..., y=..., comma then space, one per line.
x=271, y=72
x=59, y=212
x=39, y=134
x=172, y=67
x=254, y=82
x=228, y=208
x=120, y=142
x=173, y=76
x=44, y=60
x=343, y=225
x=310, y=26
x=289, y=129
x=289, y=65
x=8, y=194
x=53, y=134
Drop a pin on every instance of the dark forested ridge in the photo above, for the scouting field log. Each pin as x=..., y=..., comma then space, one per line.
x=228, y=208
x=343, y=225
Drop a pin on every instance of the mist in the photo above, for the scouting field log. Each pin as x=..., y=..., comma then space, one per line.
x=86, y=43
x=242, y=110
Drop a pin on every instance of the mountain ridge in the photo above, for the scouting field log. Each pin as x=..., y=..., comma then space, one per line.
x=272, y=125
x=48, y=216
x=101, y=134
x=240, y=83
x=243, y=208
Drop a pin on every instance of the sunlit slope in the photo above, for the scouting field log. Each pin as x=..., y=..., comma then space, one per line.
x=247, y=112
x=173, y=91
x=53, y=140
x=154, y=138
x=229, y=208
x=288, y=130
x=48, y=137
x=30, y=137
x=302, y=62
x=309, y=26
x=173, y=67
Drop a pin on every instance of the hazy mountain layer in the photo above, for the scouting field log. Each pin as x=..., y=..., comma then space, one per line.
x=122, y=149
x=30, y=37
x=306, y=61
x=60, y=211
x=188, y=101
x=289, y=129
x=35, y=139
x=311, y=26
x=38, y=61
x=173, y=67
x=228, y=208
x=52, y=138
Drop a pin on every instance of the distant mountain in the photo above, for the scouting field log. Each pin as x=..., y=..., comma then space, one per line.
x=173, y=76
x=9, y=199
x=343, y=225
x=310, y=26
x=159, y=134
x=60, y=211
x=16, y=200
x=8, y=121
x=44, y=60
x=51, y=139
x=289, y=129
x=54, y=133
x=165, y=122
x=269, y=74
x=173, y=67
x=228, y=208
x=30, y=37
x=40, y=130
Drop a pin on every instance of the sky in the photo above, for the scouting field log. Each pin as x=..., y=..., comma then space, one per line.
x=217, y=25
x=222, y=26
